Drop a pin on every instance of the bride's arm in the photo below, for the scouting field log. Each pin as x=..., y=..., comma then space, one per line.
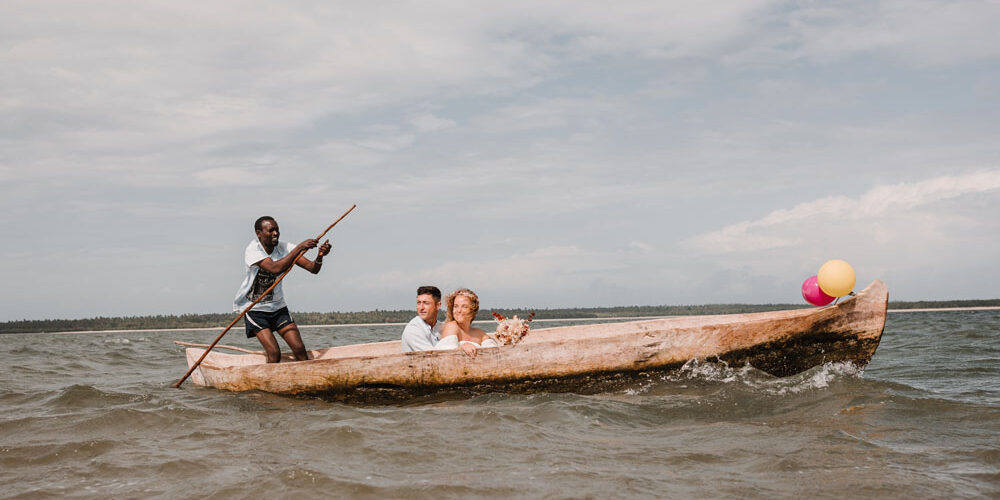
x=469, y=348
x=446, y=344
x=486, y=335
x=492, y=337
x=449, y=340
x=449, y=337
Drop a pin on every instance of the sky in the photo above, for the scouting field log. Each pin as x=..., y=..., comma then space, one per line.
x=544, y=154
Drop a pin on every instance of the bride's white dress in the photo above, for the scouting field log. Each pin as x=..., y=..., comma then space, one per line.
x=451, y=342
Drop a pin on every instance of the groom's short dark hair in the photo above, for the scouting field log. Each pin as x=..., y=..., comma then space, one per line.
x=433, y=291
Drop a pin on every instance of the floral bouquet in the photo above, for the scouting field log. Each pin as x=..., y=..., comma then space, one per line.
x=511, y=330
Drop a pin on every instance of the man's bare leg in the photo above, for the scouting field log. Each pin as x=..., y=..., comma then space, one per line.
x=270, y=344
x=294, y=340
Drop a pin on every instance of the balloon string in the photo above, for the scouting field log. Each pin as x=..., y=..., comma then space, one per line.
x=838, y=298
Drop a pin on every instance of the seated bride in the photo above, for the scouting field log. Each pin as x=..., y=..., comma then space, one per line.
x=458, y=332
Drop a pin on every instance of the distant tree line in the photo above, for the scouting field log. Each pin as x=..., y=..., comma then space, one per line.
x=220, y=320
x=943, y=304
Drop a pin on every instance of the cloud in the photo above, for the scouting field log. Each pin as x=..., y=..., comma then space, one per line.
x=159, y=76
x=929, y=33
x=233, y=176
x=558, y=149
x=388, y=142
x=554, y=113
x=784, y=227
x=919, y=32
x=564, y=274
x=427, y=122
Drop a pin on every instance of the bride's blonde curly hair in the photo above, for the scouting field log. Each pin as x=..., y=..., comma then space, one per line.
x=465, y=292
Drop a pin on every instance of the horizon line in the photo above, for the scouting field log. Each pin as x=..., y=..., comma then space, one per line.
x=341, y=325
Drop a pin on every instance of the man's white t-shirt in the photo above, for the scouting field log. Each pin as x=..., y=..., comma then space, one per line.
x=257, y=280
x=419, y=336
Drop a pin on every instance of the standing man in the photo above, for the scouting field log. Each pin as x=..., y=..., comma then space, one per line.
x=265, y=259
x=424, y=330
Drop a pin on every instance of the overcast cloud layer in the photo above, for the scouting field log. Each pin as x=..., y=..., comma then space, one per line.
x=544, y=154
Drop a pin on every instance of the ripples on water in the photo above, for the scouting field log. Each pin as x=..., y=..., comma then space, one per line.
x=93, y=415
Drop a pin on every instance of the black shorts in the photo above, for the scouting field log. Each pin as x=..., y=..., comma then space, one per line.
x=256, y=321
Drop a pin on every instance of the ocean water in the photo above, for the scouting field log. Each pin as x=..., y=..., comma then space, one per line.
x=94, y=415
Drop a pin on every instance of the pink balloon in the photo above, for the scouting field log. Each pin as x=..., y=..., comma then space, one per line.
x=813, y=294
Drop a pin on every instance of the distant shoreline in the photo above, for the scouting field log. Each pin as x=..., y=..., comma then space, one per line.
x=943, y=309
x=336, y=325
x=564, y=320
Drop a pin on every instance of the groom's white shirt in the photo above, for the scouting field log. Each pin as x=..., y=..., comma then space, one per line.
x=419, y=336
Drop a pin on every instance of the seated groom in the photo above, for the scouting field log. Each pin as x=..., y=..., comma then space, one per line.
x=424, y=330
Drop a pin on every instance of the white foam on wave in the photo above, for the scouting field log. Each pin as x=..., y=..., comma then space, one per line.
x=821, y=378
x=720, y=371
x=125, y=341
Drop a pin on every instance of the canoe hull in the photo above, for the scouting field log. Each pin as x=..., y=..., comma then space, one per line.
x=584, y=358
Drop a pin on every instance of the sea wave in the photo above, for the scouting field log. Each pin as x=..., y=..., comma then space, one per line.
x=94, y=416
x=702, y=371
x=819, y=377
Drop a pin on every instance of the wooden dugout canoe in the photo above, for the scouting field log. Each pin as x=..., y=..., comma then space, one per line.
x=583, y=358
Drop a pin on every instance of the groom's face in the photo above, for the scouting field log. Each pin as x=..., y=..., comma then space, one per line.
x=427, y=308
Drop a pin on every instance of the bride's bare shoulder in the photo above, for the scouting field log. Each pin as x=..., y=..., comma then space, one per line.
x=449, y=328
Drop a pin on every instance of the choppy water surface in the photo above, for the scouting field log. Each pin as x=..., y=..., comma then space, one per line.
x=93, y=415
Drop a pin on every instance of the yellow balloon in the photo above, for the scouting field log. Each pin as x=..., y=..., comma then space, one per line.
x=836, y=278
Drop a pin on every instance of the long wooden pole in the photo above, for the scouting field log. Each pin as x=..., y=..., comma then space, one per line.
x=245, y=311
